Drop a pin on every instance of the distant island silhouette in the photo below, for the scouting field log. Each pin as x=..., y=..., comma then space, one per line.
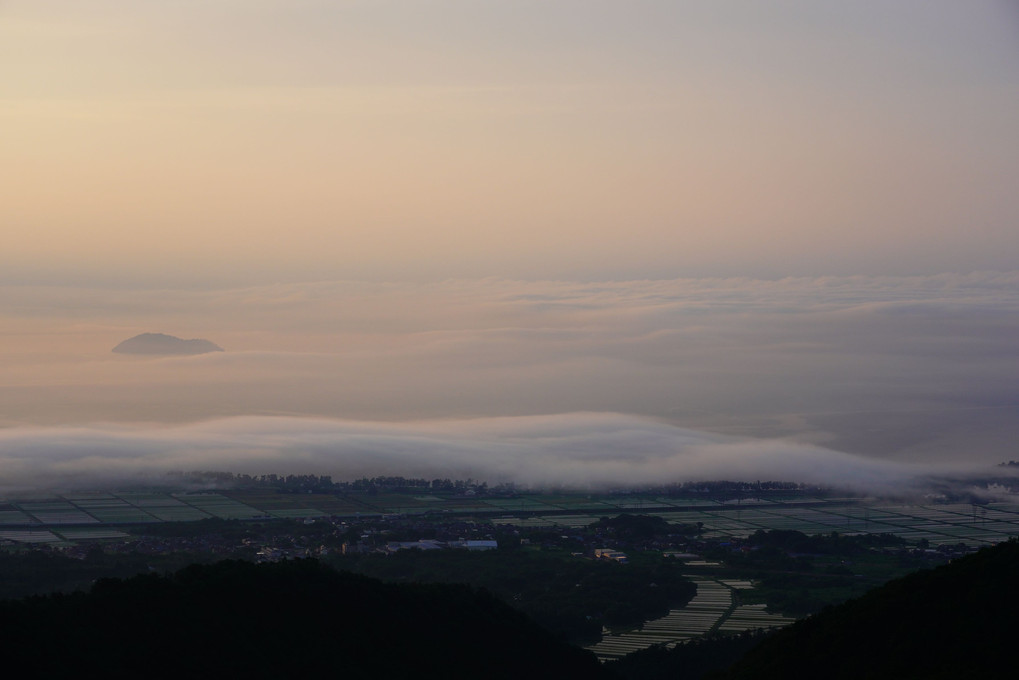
x=163, y=344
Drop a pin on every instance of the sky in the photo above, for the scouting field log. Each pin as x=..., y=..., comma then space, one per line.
x=669, y=226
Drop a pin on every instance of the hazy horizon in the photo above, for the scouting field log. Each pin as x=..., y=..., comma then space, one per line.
x=861, y=371
x=660, y=229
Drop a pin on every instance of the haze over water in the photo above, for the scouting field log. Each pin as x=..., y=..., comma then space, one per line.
x=573, y=242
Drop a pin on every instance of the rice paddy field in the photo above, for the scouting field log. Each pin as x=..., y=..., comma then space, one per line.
x=715, y=607
x=937, y=524
x=718, y=606
x=42, y=519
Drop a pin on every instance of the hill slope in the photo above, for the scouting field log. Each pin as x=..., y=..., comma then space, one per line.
x=291, y=619
x=950, y=622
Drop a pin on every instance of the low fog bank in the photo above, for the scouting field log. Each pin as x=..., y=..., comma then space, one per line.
x=579, y=450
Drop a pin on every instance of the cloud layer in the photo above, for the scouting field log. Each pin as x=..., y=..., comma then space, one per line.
x=578, y=450
x=905, y=369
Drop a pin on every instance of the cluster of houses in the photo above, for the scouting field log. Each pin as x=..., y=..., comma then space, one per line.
x=431, y=544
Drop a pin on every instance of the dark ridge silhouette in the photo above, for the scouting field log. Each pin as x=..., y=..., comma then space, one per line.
x=163, y=344
x=954, y=621
x=297, y=619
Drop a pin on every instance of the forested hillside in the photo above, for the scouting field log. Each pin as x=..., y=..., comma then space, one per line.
x=290, y=619
x=954, y=621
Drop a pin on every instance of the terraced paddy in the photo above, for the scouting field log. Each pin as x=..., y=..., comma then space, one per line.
x=715, y=607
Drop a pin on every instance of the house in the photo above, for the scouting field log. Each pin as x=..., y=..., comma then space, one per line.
x=423, y=544
x=610, y=554
x=475, y=545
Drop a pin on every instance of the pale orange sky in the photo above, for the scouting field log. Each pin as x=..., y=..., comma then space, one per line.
x=606, y=238
x=226, y=142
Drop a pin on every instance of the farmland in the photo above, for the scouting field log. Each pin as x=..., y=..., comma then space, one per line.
x=748, y=555
x=715, y=608
x=59, y=520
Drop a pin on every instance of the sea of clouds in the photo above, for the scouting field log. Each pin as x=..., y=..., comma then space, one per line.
x=806, y=379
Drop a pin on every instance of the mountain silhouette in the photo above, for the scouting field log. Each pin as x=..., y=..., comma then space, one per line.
x=162, y=344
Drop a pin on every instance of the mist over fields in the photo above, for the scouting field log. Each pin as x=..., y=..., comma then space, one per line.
x=867, y=379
